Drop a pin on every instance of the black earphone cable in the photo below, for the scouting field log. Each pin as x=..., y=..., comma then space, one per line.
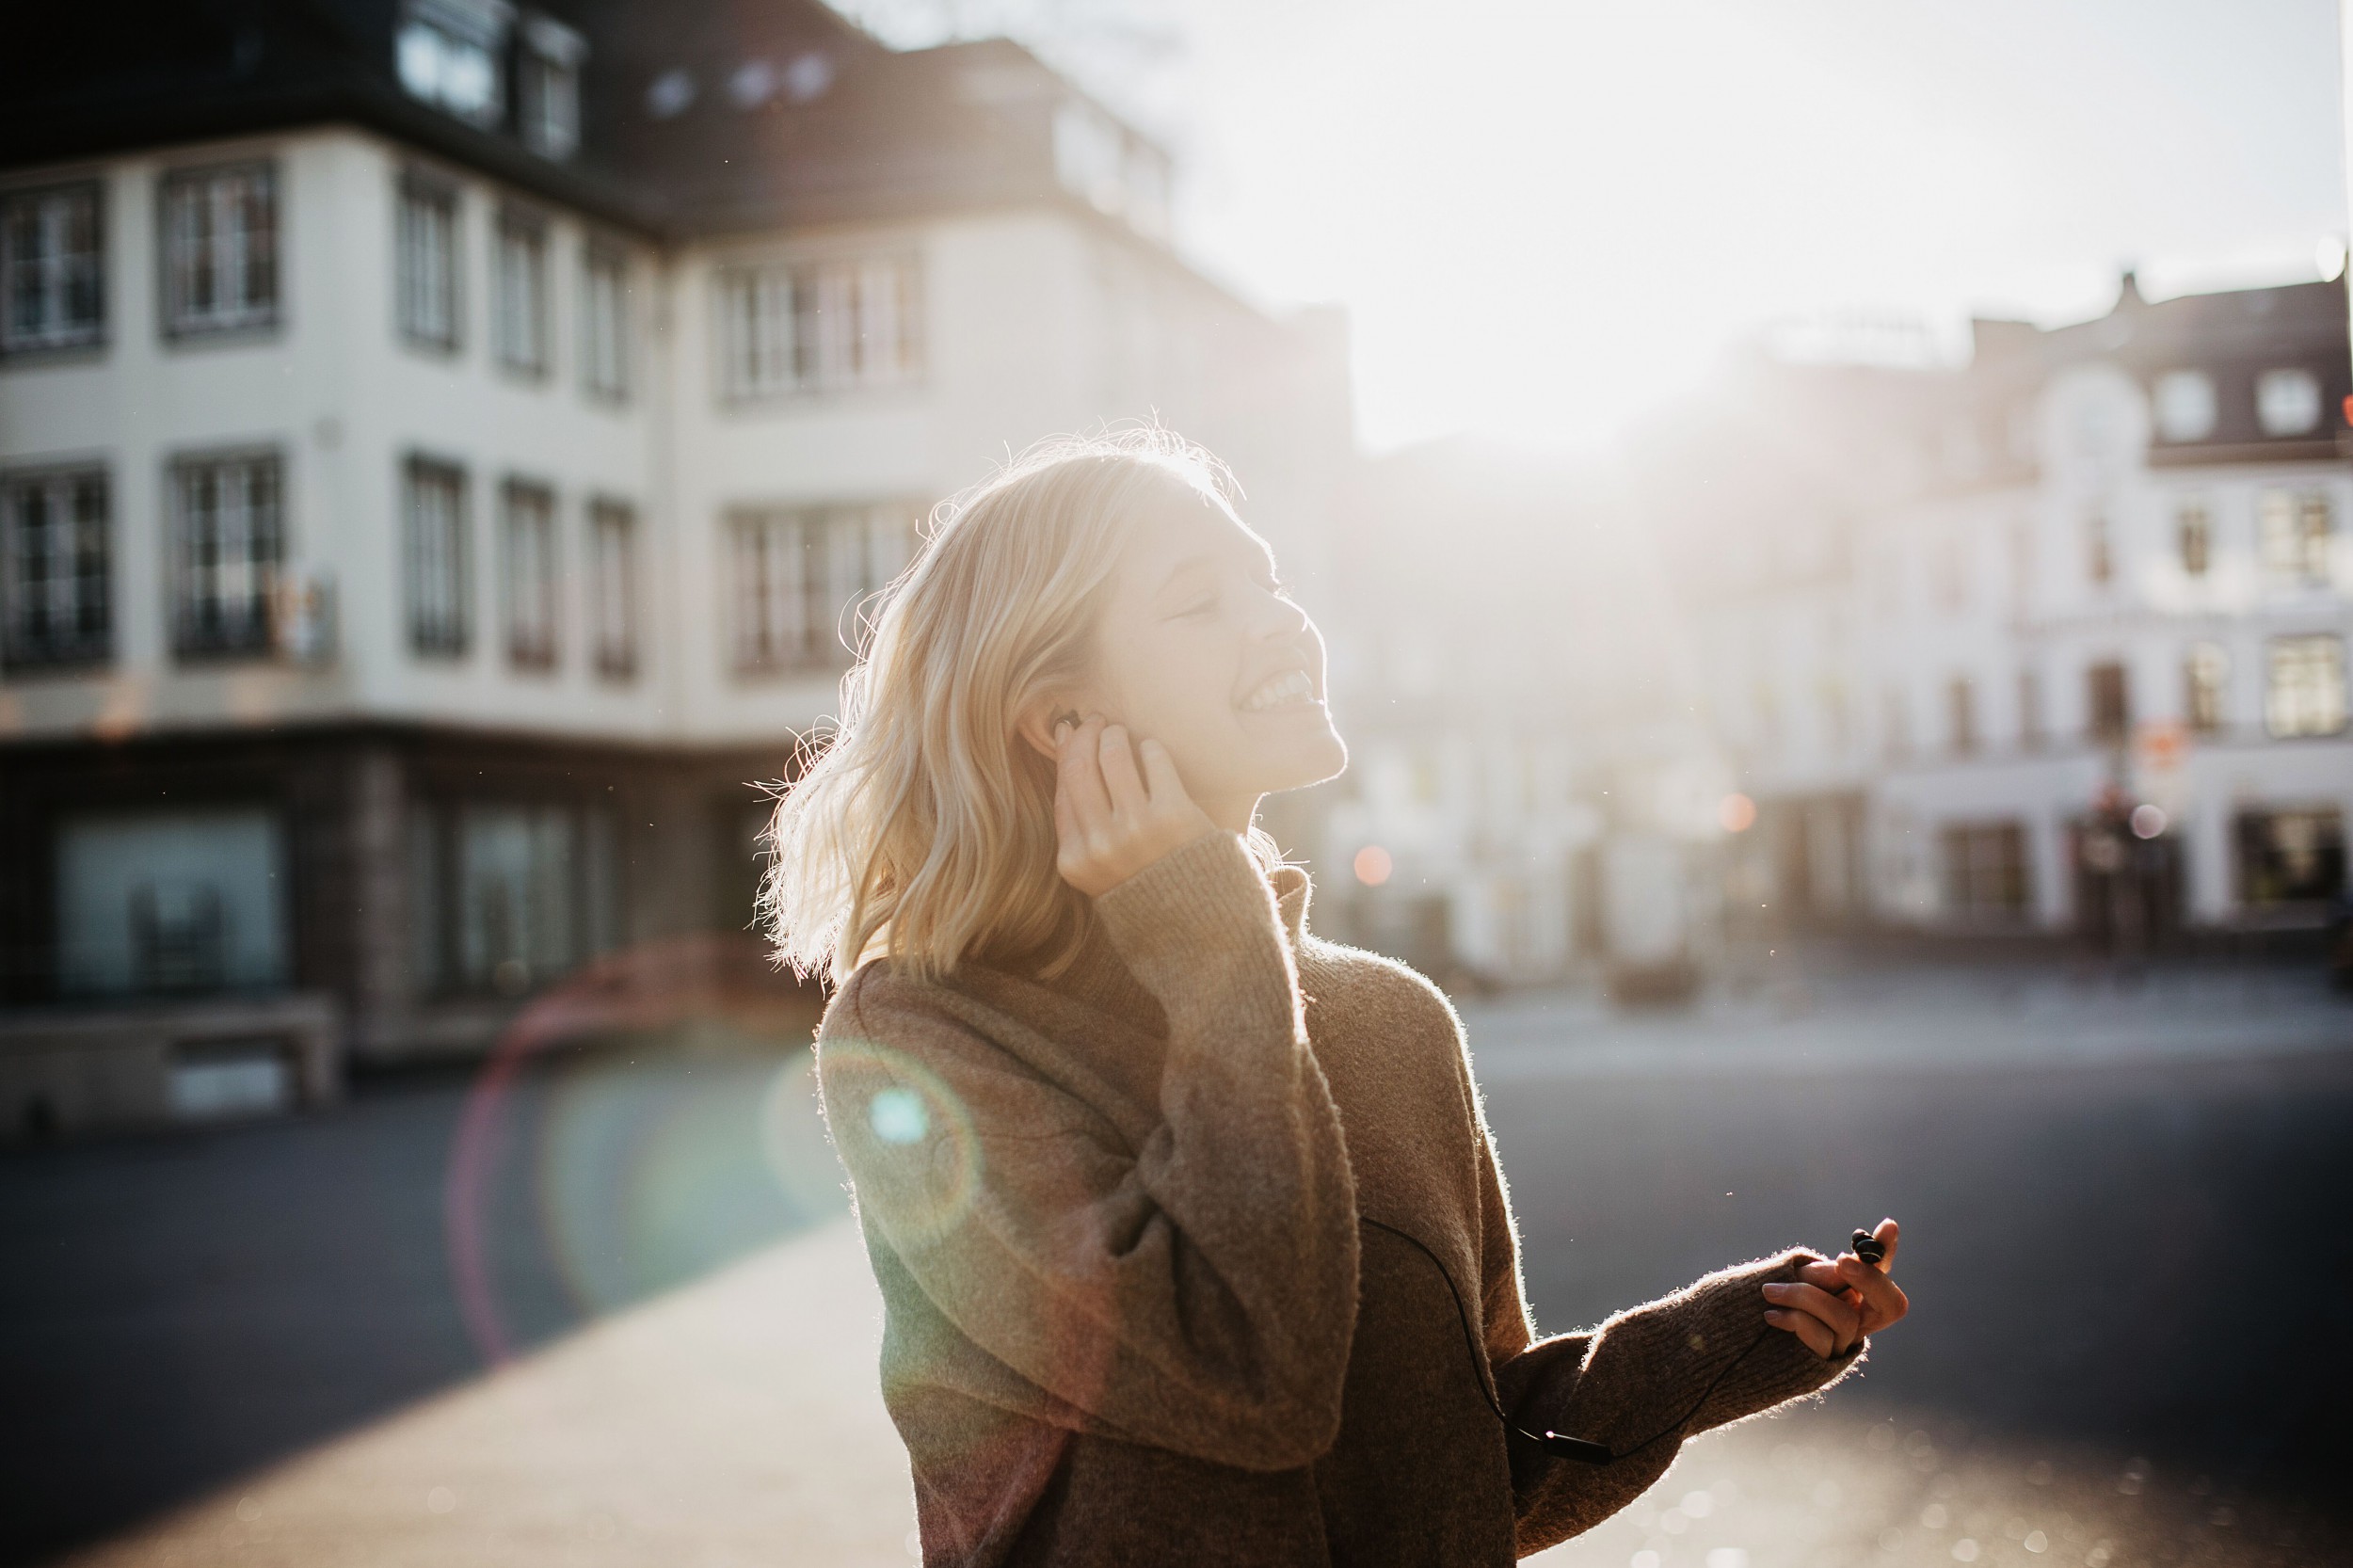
x=1557, y=1442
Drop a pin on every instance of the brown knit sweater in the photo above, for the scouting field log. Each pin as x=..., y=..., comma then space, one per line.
x=1137, y=1232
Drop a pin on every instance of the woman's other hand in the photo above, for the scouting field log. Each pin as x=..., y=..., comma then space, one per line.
x=1117, y=806
x=1832, y=1305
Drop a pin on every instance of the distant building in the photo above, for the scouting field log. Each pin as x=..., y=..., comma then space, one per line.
x=443, y=446
x=2053, y=643
x=1531, y=790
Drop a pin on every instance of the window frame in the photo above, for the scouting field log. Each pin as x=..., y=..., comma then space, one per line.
x=819, y=593
x=414, y=189
x=599, y=254
x=178, y=325
x=530, y=230
x=534, y=649
x=188, y=646
x=2097, y=726
x=615, y=644
x=814, y=349
x=2296, y=729
x=450, y=641
x=92, y=647
x=2206, y=688
x=96, y=334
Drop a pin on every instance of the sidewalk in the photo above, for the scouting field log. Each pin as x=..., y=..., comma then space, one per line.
x=737, y=1422
x=734, y=1422
x=1918, y=1018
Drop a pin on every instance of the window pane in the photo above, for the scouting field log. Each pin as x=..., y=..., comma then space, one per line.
x=231, y=544
x=220, y=269
x=428, y=266
x=439, y=599
x=55, y=569
x=531, y=626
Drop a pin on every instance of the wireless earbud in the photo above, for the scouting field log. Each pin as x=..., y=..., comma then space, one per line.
x=1869, y=1248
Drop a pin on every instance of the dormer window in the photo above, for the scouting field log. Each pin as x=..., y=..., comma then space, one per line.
x=2185, y=406
x=547, y=79
x=449, y=53
x=2287, y=402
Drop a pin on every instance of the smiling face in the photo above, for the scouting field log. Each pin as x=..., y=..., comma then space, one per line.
x=1200, y=647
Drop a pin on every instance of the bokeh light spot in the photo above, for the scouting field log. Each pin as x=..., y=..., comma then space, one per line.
x=1737, y=812
x=1373, y=865
x=2148, y=821
x=897, y=1116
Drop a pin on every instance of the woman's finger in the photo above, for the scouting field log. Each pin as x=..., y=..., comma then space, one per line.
x=1120, y=778
x=1889, y=1233
x=1884, y=1300
x=1810, y=1330
x=1081, y=770
x=1844, y=1322
x=1159, y=778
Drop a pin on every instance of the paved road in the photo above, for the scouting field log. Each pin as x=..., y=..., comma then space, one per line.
x=2103, y=1251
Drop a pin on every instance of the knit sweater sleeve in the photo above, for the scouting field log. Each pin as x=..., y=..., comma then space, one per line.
x=1643, y=1381
x=1196, y=1292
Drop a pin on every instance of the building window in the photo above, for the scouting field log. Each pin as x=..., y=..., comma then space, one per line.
x=821, y=325
x=2291, y=532
x=604, y=322
x=2108, y=702
x=2185, y=406
x=448, y=53
x=2291, y=857
x=611, y=588
x=522, y=295
x=53, y=569
x=231, y=543
x=2194, y=530
x=2099, y=547
x=2206, y=674
x=1985, y=871
x=509, y=894
x=2304, y=694
x=441, y=620
x=2030, y=725
x=171, y=901
x=220, y=249
x=1962, y=699
x=52, y=272
x=2287, y=402
x=429, y=304
x=795, y=574
x=548, y=86
x=528, y=558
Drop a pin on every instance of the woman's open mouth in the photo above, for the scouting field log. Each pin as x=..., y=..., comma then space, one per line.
x=1291, y=689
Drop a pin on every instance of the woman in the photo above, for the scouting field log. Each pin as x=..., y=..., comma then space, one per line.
x=1188, y=1224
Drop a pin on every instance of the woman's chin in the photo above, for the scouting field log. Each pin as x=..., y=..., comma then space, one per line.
x=1310, y=759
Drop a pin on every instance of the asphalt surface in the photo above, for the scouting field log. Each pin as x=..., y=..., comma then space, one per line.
x=2136, y=1258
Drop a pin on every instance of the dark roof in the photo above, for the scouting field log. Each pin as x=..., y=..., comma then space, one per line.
x=788, y=113
x=2232, y=337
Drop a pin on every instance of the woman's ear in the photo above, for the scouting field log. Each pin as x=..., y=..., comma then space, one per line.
x=1038, y=719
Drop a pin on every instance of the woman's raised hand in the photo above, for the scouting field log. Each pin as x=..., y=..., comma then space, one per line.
x=1117, y=806
x=1832, y=1305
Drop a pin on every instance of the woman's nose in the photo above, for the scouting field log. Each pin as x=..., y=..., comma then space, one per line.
x=1279, y=616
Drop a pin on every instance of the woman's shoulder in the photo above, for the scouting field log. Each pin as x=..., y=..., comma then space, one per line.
x=1372, y=982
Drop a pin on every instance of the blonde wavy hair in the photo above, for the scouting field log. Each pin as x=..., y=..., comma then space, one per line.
x=921, y=828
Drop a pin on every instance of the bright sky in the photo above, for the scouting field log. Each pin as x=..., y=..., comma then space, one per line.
x=1546, y=215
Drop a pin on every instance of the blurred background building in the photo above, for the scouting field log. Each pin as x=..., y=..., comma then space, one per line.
x=444, y=447
x=2053, y=641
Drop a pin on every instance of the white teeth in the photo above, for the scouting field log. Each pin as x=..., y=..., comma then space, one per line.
x=1289, y=687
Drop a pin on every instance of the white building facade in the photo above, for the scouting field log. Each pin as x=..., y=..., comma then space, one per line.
x=426, y=512
x=2075, y=660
